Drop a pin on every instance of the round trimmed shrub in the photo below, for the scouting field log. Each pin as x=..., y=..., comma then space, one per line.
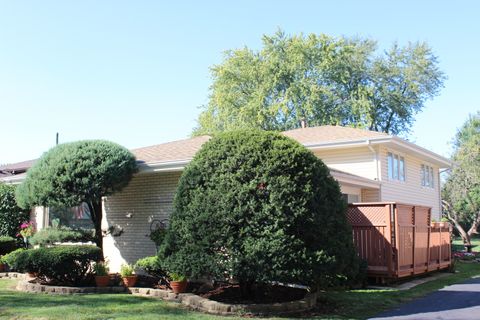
x=255, y=207
x=66, y=265
x=11, y=258
x=151, y=265
x=11, y=215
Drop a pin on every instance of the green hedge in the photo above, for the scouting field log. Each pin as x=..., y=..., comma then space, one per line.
x=50, y=236
x=66, y=265
x=11, y=258
x=7, y=245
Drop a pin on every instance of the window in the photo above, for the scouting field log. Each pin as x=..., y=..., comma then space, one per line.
x=350, y=198
x=396, y=167
x=427, y=176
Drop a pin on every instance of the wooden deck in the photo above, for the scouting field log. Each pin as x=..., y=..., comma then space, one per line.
x=399, y=240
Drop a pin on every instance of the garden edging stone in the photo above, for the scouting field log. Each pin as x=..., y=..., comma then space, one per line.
x=190, y=300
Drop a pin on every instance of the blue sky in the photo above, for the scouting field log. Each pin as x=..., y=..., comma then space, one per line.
x=136, y=72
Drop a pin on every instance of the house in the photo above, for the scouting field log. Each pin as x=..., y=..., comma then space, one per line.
x=369, y=166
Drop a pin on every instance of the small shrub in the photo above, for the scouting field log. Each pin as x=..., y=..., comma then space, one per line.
x=23, y=261
x=11, y=215
x=100, y=269
x=50, y=236
x=68, y=265
x=126, y=270
x=152, y=266
x=11, y=257
x=7, y=245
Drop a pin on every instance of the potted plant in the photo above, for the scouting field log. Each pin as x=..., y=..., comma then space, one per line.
x=178, y=283
x=128, y=277
x=102, y=279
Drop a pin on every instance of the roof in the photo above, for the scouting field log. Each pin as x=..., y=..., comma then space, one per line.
x=327, y=134
x=175, y=155
x=17, y=167
x=171, y=151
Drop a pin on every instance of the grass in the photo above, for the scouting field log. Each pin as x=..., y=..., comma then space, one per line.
x=354, y=304
x=457, y=244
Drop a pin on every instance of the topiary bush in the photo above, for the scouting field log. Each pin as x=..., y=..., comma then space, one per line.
x=65, y=265
x=255, y=207
x=11, y=215
x=50, y=236
x=7, y=245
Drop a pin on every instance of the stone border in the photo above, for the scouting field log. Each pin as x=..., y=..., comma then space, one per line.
x=198, y=303
x=27, y=286
x=12, y=275
x=190, y=300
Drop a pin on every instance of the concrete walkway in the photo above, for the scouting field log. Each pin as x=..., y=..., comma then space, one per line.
x=459, y=301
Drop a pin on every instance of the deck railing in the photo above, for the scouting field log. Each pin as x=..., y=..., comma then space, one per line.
x=399, y=240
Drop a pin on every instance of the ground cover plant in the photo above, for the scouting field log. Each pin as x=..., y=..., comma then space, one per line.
x=255, y=207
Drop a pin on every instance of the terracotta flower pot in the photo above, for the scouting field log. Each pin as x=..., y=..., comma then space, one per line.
x=129, y=281
x=102, y=281
x=179, y=286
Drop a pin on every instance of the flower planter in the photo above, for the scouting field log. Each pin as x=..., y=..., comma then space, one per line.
x=179, y=286
x=102, y=281
x=129, y=281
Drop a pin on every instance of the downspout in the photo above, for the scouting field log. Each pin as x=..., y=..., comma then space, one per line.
x=375, y=153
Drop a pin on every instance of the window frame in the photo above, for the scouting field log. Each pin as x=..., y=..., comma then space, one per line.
x=427, y=177
x=396, y=167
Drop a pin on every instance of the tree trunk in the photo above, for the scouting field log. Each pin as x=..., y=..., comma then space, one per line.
x=95, y=207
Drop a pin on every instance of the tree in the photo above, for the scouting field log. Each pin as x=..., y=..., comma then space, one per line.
x=11, y=215
x=321, y=80
x=72, y=173
x=461, y=192
x=256, y=206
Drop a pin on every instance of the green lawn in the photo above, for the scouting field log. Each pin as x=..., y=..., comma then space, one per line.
x=355, y=304
x=457, y=244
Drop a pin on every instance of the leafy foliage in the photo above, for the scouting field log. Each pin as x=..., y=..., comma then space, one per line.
x=11, y=215
x=322, y=80
x=7, y=245
x=127, y=270
x=11, y=257
x=50, y=236
x=68, y=265
x=255, y=206
x=100, y=269
x=77, y=172
x=461, y=192
x=151, y=265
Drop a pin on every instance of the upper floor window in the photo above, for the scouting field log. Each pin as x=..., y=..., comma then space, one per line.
x=396, y=167
x=427, y=176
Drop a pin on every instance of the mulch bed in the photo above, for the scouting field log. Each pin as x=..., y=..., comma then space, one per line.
x=231, y=294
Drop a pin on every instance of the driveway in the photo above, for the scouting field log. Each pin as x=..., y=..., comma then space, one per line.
x=459, y=301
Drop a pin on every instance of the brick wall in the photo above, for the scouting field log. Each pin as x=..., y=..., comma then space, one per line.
x=148, y=197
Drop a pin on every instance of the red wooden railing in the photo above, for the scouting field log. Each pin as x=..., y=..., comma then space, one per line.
x=398, y=240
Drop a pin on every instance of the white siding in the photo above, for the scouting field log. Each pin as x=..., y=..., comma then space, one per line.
x=147, y=197
x=360, y=161
x=410, y=191
x=370, y=195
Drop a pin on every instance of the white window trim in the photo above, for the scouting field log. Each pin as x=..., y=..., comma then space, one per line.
x=432, y=171
x=400, y=155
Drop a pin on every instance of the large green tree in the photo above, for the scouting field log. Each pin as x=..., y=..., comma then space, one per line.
x=76, y=172
x=461, y=192
x=256, y=207
x=321, y=80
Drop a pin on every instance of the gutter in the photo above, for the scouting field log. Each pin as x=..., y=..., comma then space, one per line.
x=172, y=166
